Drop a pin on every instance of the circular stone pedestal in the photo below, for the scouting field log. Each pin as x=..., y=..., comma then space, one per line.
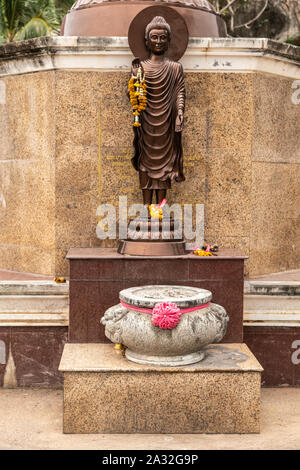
x=168, y=361
x=130, y=323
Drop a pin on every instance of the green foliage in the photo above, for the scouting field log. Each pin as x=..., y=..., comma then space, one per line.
x=25, y=19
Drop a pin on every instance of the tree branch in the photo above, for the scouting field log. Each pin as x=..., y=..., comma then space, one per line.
x=254, y=19
x=227, y=6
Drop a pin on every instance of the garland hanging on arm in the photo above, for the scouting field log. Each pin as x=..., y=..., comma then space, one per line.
x=137, y=89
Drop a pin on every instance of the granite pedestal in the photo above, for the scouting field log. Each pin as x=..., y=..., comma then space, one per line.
x=106, y=393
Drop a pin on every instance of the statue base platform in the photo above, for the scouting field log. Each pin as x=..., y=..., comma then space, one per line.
x=153, y=237
x=151, y=248
x=106, y=393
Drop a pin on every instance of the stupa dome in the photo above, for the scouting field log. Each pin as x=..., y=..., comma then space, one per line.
x=113, y=17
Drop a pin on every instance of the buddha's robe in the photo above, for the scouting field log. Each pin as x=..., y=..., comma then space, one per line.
x=158, y=148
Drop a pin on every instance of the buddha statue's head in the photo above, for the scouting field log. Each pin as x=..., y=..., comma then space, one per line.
x=157, y=35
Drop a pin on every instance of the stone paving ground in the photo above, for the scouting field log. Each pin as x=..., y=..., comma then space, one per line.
x=32, y=419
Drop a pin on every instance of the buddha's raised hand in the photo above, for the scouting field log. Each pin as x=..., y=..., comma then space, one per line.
x=136, y=64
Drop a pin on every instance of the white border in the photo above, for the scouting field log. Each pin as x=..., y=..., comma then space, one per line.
x=238, y=55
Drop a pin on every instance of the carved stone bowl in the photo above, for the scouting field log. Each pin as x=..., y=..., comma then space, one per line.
x=149, y=344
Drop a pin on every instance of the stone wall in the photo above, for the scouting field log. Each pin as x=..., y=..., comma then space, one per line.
x=27, y=172
x=66, y=144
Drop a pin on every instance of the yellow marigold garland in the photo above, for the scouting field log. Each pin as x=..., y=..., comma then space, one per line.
x=155, y=211
x=202, y=253
x=138, y=95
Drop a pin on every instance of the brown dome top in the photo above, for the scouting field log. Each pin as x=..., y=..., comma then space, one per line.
x=113, y=17
x=199, y=4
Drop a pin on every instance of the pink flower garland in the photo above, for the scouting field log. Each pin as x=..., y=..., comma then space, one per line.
x=166, y=316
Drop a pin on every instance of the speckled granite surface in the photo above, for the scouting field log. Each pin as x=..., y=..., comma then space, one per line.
x=105, y=393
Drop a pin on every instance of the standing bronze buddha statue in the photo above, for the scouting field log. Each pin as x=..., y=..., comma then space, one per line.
x=157, y=142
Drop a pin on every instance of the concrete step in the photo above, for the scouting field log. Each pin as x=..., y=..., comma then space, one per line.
x=34, y=303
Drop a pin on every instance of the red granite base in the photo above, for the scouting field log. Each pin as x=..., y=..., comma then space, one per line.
x=277, y=351
x=98, y=274
x=36, y=353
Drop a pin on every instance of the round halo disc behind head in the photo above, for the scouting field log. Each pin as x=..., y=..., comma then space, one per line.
x=179, y=32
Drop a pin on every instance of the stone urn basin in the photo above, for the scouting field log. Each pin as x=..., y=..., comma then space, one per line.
x=165, y=325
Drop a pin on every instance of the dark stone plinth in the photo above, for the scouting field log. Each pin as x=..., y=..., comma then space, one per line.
x=98, y=274
x=274, y=347
x=36, y=352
